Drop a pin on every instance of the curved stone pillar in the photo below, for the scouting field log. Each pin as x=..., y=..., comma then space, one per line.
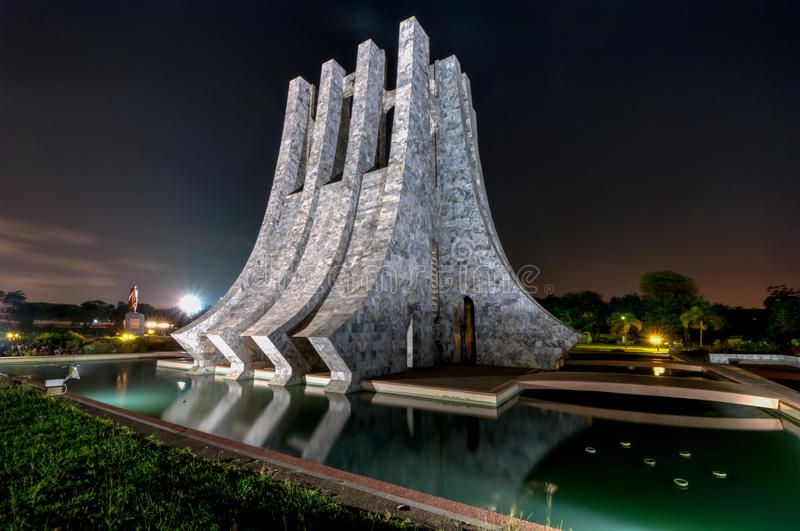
x=511, y=329
x=290, y=159
x=372, y=272
x=287, y=245
x=332, y=227
x=360, y=329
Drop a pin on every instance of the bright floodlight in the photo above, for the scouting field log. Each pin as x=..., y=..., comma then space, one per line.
x=190, y=304
x=655, y=340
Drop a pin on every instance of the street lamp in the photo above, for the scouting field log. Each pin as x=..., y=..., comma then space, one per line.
x=190, y=304
x=655, y=341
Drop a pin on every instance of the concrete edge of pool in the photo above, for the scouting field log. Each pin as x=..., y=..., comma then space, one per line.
x=12, y=360
x=492, y=387
x=349, y=489
x=368, y=494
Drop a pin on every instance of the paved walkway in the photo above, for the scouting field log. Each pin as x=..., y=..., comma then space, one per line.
x=490, y=386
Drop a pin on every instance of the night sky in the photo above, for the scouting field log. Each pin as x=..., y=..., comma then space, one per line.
x=138, y=139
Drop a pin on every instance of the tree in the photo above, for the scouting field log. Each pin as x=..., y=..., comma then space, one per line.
x=584, y=311
x=701, y=318
x=20, y=311
x=627, y=303
x=783, y=314
x=620, y=323
x=748, y=323
x=15, y=298
x=667, y=284
x=666, y=294
x=91, y=310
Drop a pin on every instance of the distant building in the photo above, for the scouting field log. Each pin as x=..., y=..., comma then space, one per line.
x=6, y=320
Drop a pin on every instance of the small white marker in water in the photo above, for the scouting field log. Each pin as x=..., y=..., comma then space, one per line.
x=591, y=450
x=719, y=474
x=686, y=454
x=625, y=444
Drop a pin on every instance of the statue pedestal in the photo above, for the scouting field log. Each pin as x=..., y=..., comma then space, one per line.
x=134, y=323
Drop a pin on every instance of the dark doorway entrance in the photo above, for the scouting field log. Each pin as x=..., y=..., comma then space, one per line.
x=468, y=333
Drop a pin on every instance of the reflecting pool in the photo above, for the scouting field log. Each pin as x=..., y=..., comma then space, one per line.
x=571, y=460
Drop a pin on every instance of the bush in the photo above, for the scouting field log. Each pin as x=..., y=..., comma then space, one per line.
x=748, y=346
x=100, y=346
x=112, y=345
x=57, y=343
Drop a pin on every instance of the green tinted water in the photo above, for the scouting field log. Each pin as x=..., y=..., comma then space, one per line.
x=531, y=460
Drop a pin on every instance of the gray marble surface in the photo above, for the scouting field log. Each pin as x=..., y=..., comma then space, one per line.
x=331, y=230
x=295, y=126
x=364, y=260
x=284, y=249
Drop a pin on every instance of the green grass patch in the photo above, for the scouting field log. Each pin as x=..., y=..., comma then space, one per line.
x=635, y=349
x=63, y=468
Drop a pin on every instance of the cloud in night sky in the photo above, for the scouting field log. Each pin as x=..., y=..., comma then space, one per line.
x=53, y=263
x=138, y=140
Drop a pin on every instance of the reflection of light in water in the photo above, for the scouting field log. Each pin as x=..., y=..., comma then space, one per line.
x=658, y=371
x=122, y=382
x=181, y=385
x=491, y=478
x=148, y=401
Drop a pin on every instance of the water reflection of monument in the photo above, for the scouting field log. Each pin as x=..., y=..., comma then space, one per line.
x=464, y=456
x=251, y=412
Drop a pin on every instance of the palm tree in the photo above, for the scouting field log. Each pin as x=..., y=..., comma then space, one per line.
x=701, y=317
x=621, y=323
x=14, y=298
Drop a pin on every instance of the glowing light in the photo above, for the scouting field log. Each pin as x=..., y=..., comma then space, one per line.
x=155, y=324
x=658, y=371
x=655, y=340
x=127, y=337
x=190, y=304
x=12, y=336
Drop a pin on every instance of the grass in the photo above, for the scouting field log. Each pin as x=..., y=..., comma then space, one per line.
x=664, y=351
x=63, y=468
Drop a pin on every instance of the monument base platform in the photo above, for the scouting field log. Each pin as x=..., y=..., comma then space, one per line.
x=134, y=323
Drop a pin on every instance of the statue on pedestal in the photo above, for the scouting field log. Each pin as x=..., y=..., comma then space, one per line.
x=133, y=298
x=134, y=321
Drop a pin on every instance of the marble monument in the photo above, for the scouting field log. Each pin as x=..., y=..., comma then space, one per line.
x=377, y=252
